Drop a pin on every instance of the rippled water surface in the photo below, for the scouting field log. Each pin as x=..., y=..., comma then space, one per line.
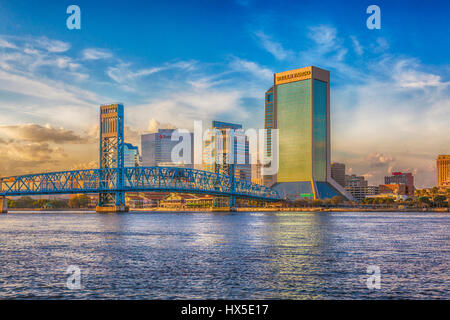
x=226, y=256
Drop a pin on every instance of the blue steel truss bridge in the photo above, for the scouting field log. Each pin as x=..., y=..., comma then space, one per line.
x=112, y=180
x=135, y=179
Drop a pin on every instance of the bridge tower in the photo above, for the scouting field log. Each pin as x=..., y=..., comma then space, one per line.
x=111, y=157
x=3, y=204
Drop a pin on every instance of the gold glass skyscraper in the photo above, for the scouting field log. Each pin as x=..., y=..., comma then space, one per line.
x=443, y=171
x=298, y=105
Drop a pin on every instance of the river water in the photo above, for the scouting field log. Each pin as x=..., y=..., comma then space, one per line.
x=225, y=255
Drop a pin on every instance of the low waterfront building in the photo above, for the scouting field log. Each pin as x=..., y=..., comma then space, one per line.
x=183, y=201
x=153, y=199
x=361, y=192
x=394, y=188
x=355, y=181
x=400, y=178
x=359, y=187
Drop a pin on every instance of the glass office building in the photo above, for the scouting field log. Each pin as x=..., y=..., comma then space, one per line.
x=226, y=144
x=157, y=149
x=216, y=150
x=131, y=155
x=300, y=110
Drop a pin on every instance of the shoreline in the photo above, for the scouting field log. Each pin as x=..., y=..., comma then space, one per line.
x=312, y=209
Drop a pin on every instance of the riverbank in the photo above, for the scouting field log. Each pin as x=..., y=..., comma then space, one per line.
x=312, y=209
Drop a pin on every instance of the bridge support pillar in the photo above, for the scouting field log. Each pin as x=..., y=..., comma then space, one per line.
x=111, y=209
x=3, y=204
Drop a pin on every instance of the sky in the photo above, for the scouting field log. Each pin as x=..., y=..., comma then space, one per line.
x=173, y=62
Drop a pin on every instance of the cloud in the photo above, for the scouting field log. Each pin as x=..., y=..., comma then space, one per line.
x=7, y=44
x=52, y=45
x=273, y=47
x=19, y=158
x=379, y=159
x=154, y=125
x=407, y=75
x=381, y=45
x=357, y=46
x=96, y=54
x=242, y=65
x=122, y=73
x=33, y=72
x=180, y=109
x=85, y=165
x=44, y=88
x=38, y=133
x=324, y=36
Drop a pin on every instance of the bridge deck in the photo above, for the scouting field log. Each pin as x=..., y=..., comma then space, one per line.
x=135, y=179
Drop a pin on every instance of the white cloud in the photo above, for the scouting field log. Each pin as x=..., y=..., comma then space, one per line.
x=45, y=89
x=154, y=125
x=357, y=46
x=122, y=72
x=407, y=75
x=324, y=36
x=255, y=69
x=182, y=108
x=96, y=54
x=7, y=44
x=50, y=45
x=273, y=47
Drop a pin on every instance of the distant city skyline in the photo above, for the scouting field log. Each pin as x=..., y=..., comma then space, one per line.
x=176, y=62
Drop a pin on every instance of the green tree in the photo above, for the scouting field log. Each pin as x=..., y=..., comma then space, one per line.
x=434, y=190
x=40, y=203
x=11, y=203
x=24, y=202
x=317, y=202
x=80, y=201
x=58, y=203
x=336, y=200
x=440, y=201
x=424, y=201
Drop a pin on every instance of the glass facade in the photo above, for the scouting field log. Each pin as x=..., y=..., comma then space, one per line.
x=131, y=155
x=294, y=125
x=320, y=130
x=269, y=120
x=301, y=115
x=216, y=150
x=157, y=148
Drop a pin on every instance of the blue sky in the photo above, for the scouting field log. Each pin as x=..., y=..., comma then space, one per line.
x=177, y=61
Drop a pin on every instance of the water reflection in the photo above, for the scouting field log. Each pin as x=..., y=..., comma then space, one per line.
x=232, y=255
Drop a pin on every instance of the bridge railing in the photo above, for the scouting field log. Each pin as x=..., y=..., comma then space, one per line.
x=134, y=179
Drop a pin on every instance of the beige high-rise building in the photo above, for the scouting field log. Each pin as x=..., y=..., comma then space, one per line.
x=443, y=171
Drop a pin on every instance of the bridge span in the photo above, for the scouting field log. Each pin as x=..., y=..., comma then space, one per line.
x=134, y=179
